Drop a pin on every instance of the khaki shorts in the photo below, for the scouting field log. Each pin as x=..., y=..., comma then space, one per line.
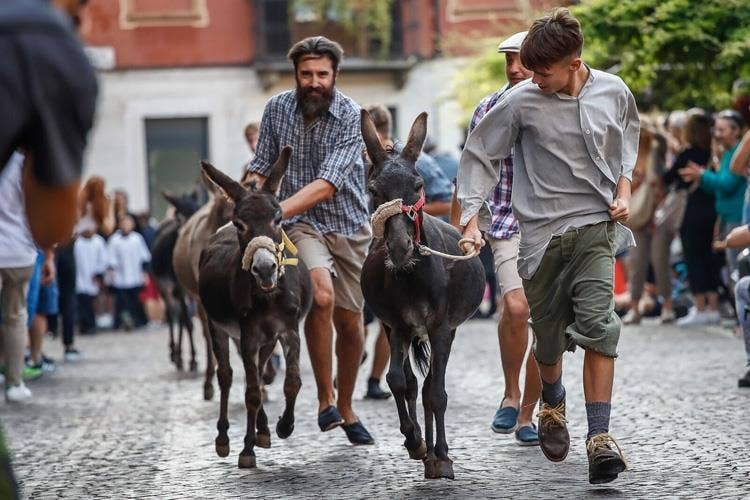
x=505, y=255
x=341, y=255
x=571, y=294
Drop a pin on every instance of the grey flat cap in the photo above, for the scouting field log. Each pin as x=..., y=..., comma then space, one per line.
x=512, y=43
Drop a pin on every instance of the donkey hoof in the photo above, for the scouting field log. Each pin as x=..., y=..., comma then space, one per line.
x=263, y=440
x=193, y=366
x=246, y=462
x=222, y=450
x=284, y=429
x=178, y=364
x=436, y=468
x=208, y=392
x=419, y=452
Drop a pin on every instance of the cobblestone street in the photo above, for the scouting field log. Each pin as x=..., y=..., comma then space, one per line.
x=125, y=424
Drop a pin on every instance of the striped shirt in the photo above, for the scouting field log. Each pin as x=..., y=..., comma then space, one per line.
x=329, y=148
x=504, y=223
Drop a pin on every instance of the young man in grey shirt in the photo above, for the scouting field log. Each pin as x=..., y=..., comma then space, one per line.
x=575, y=134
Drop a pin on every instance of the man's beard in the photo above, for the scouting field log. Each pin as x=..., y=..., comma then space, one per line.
x=314, y=106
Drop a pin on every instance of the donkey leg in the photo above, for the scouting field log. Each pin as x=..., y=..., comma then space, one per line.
x=292, y=383
x=187, y=321
x=252, y=399
x=263, y=435
x=170, y=323
x=412, y=390
x=221, y=344
x=442, y=466
x=208, y=383
x=397, y=382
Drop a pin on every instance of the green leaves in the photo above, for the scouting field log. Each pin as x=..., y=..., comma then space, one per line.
x=672, y=53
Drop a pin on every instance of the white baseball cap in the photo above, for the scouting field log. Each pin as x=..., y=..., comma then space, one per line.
x=512, y=43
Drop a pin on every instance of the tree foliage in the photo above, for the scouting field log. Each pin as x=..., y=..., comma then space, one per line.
x=672, y=53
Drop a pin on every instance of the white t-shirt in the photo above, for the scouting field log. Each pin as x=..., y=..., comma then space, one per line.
x=127, y=254
x=91, y=259
x=17, y=248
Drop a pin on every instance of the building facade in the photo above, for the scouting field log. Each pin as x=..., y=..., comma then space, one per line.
x=180, y=79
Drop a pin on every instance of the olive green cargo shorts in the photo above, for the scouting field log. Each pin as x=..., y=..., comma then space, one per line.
x=571, y=296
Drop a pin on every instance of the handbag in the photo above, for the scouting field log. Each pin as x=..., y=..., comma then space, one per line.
x=642, y=206
x=671, y=210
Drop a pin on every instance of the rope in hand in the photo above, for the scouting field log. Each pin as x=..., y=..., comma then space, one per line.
x=424, y=250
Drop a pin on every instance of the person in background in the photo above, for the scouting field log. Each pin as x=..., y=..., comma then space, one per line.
x=738, y=239
x=727, y=187
x=149, y=296
x=649, y=169
x=90, y=251
x=252, y=130
x=18, y=254
x=42, y=303
x=127, y=259
x=447, y=162
x=696, y=231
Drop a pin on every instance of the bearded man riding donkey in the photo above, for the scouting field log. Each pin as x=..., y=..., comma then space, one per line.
x=420, y=297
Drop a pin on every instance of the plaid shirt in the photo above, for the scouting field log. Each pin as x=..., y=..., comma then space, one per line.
x=504, y=223
x=330, y=148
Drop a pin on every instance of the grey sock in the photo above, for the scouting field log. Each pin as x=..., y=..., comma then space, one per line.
x=597, y=414
x=553, y=393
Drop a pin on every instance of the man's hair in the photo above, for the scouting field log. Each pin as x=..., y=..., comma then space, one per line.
x=316, y=46
x=551, y=39
x=381, y=118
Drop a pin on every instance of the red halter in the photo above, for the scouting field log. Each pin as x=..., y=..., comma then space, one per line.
x=414, y=212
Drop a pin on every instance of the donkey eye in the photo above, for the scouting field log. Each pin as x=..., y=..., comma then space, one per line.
x=241, y=226
x=277, y=217
x=418, y=185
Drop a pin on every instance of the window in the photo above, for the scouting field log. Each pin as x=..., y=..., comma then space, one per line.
x=174, y=148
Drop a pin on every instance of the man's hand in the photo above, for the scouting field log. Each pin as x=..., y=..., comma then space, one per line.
x=472, y=232
x=719, y=245
x=619, y=210
x=691, y=172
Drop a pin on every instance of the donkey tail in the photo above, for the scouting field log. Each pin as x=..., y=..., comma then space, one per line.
x=421, y=350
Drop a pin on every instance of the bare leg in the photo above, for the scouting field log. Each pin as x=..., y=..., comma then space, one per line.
x=350, y=343
x=36, y=337
x=319, y=335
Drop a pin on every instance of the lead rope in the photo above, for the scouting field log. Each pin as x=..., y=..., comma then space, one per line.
x=393, y=207
x=426, y=251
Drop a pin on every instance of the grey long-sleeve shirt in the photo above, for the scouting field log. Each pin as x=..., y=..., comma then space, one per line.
x=570, y=153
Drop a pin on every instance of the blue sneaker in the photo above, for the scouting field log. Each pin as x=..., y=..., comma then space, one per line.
x=505, y=420
x=527, y=436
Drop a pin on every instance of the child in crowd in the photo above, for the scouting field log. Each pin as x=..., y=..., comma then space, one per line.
x=127, y=257
x=90, y=251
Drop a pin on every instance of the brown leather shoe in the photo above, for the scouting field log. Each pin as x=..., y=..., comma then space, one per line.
x=553, y=431
x=605, y=459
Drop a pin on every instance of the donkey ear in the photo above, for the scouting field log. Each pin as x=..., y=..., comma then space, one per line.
x=231, y=187
x=209, y=184
x=277, y=171
x=376, y=152
x=417, y=135
x=170, y=199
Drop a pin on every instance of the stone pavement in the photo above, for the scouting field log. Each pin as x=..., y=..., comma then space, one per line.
x=125, y=424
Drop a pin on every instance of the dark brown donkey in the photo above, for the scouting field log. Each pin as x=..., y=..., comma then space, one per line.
x=251, y=291
x=174, y=296
x=420, y=299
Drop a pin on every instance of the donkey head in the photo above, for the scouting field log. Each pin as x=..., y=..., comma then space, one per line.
x=394, y=176
x=185, y=205
x=257, y=217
